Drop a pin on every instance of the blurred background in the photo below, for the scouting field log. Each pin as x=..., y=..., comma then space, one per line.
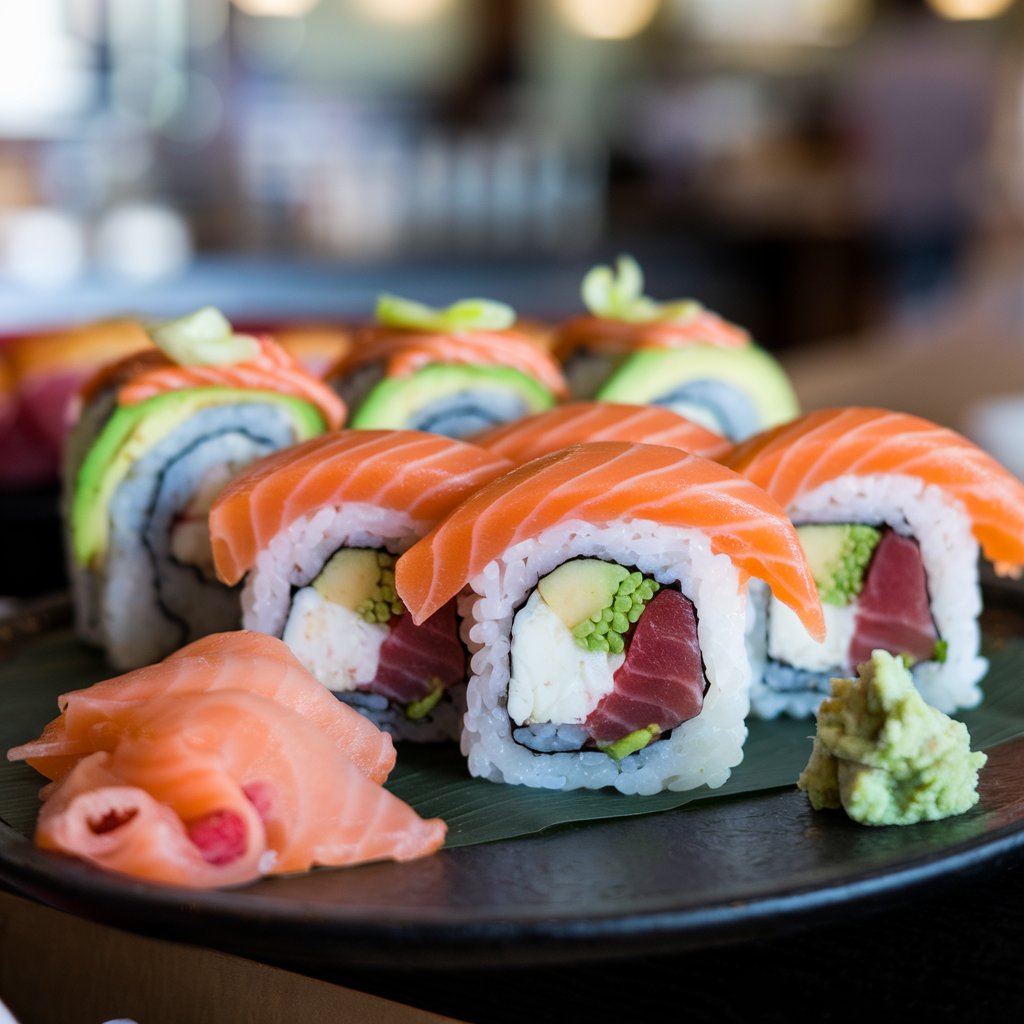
x=811, y=168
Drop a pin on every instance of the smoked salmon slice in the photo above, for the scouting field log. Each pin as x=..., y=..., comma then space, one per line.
x=93, y=719
x=580, y=422
x=794, y=459
x=424, y=475
x=250, y=781
x=604, y=482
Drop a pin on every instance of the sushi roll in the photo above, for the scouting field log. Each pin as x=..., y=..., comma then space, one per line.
x=315, y=532
x=604, y=591
x=455, y=371
x=678, y=354
x=159, y=435
x=891, y=510
x=577, y=422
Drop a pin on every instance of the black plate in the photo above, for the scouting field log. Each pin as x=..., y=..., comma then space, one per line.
x=715, y=872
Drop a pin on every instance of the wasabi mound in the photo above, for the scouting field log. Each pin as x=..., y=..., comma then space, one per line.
x=885, y=756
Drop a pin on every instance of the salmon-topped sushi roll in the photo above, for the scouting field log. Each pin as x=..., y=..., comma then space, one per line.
x=455, y=371
x=604, y=591
x=315, y=532
x=891, y=510
x=579, y=422
x=629, y=348
x=160, y=433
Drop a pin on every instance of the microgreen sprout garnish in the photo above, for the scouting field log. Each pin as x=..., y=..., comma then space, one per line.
x=619, y=295
x=465, y=315
x=203, y=338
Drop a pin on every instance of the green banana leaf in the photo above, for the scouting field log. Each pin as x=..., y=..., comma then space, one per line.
x=433, y=779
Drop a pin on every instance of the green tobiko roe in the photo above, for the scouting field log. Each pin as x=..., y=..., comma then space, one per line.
x=606, y=630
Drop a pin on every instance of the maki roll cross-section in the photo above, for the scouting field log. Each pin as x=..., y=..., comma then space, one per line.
x=891, y=510
x=159, y=435
x=315, y=532
x=604, y=596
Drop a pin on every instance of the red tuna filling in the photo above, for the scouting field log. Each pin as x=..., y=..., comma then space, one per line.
x=661, y=682
x=413, y=659
x=893, y=611
x=219, y=835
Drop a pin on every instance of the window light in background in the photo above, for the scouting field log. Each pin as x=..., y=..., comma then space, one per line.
x=402, y=12
x=774, y=23
x=608, y=19
x=275, y=8
x=970, y=10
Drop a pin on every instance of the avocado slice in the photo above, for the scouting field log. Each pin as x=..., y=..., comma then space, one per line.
x=581, y=588
x=597, y=601
x=410, y=402
x=838, y=554
x=362, y=580
x=736, y=391
x=132, y=430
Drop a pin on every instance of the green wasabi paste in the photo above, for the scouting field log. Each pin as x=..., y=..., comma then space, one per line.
x=885, y=756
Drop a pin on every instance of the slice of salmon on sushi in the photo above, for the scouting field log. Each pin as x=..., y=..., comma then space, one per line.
x=579, y=422
x=91, y=719
x=891, y=510
x=221, y=787
x=453, y=371
x=604, y=592
x=315, y=532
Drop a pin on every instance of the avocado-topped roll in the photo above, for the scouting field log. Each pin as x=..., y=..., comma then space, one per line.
x=604, y=589
x=315, y=532
x=890, y=510
x=159, y=435
x=454, y=371
x=676, y=354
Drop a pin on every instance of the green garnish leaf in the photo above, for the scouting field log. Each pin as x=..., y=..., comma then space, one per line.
x=941, y=650
x=619, y=295
x=203, y=338
x=421, y=708
x=632, y=743
x=465, y=315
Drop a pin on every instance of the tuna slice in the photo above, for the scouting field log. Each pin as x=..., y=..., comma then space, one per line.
x=893, y=613
x=413, y=659
x=661, y=682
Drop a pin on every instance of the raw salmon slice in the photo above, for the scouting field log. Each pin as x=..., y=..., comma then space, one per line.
x=424, y=475
x=208, y=758
x=794, y=459
x=92, y=719
x=602, y=483
x=579, y=422
x=406, y=351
